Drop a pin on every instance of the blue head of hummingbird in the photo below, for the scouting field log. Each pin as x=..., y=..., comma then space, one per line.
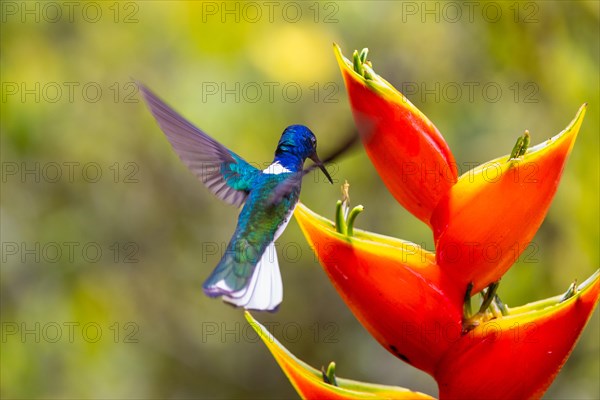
x=248, y=273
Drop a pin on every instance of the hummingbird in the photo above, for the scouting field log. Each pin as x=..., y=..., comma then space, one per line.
x=248, y=274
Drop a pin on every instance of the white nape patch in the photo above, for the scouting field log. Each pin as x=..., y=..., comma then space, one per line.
x=265, y=289
x=275, y=169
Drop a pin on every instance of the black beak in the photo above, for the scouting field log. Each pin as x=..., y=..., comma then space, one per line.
x=315, y=158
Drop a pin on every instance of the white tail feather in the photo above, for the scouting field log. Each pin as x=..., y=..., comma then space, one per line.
x=265, y=289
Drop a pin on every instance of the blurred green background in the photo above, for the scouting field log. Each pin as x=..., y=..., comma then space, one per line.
x=107, y=238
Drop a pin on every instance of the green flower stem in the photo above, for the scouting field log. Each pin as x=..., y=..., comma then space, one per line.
x=491, y=307
x=352, y=217
x=501, y=306
x=489, y=297
x=467, y=309
x=344, y=220
x=340, y=221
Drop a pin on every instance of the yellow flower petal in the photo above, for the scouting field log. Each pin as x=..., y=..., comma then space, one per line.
x=309, y=383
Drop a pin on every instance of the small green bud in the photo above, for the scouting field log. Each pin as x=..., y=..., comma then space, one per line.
x=358, y=65
x=329, y=374
x=363, y=55
x=570, y=291
x=521, y=146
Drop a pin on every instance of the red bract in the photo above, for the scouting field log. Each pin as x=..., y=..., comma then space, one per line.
x=517, y=356
x=394, y=288
x=402, y=297
x=409, y=153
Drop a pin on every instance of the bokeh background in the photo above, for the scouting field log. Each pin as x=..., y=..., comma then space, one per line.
x=107, y=238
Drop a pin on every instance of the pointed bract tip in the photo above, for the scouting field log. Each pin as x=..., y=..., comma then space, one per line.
x=589, y=281
x=579, y=116
x=342, y=62
x=582, y=109
x=573, y=128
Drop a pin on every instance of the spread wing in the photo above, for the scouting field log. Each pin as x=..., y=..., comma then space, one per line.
x=223, y=172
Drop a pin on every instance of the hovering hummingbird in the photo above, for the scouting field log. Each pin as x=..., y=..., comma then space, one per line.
x=248, y=274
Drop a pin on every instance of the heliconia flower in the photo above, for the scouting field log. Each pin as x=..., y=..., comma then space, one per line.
x=394, y=288
x=402, y=297
x=417, y=304
x=310, y=384
x=517, y=356
x=409, y=153
x=490, y=215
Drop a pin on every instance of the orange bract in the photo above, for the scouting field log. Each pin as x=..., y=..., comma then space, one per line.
x=489, y=217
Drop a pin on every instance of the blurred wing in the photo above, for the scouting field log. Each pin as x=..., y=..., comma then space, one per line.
x=223, y=172
x=287, y=185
